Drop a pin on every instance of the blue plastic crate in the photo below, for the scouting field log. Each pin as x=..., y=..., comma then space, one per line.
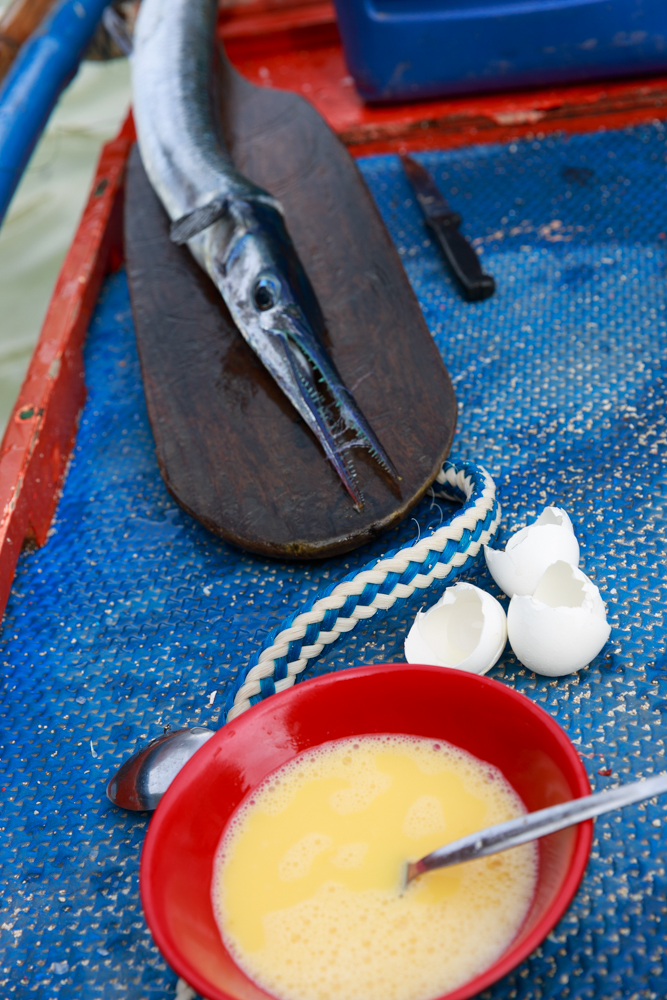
x=405, y=49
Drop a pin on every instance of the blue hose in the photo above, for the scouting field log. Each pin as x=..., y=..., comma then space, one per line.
x=44, y=66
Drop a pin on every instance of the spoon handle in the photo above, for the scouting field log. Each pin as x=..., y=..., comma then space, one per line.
x=537, y=824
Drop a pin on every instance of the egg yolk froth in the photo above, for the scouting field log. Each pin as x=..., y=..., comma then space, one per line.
x=308, y=890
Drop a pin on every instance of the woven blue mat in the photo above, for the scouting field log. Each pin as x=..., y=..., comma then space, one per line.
x=132, y=615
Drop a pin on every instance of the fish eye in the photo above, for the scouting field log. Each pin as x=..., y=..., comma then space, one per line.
x=265, y=293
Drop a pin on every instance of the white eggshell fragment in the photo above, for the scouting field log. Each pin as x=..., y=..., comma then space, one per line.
x=562, y=626
x=529, y=551
x=466, y=629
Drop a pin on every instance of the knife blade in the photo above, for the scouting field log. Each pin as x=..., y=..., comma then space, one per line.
x=444, y=222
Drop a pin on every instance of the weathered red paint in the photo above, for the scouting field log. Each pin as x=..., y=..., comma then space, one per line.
x=294, y=47
x=41, y=431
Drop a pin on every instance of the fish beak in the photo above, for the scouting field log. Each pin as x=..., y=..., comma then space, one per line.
x=318, y=393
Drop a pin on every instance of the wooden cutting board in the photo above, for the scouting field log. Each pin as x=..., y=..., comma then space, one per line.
x=231, y=448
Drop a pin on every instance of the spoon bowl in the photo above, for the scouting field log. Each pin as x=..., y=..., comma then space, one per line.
x=141, y=780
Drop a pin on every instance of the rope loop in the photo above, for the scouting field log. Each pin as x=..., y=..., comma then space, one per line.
x=379, y=586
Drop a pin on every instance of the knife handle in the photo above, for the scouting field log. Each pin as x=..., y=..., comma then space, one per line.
x=461, y=257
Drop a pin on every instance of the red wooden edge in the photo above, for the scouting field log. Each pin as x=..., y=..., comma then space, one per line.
x=292, y=46
x=40, y=434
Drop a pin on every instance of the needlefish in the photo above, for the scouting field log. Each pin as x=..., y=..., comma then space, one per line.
x=235, y=229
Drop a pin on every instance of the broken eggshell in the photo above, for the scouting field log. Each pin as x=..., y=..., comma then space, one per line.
x=519, y=568
x=466, y=629
x=562, y=627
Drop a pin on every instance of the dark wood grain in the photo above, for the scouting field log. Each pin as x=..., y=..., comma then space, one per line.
x=231, y=448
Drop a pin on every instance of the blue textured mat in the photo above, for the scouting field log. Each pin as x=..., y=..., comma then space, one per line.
x=132, y=615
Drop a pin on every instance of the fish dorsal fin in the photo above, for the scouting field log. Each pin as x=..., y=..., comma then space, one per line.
x=195, y=222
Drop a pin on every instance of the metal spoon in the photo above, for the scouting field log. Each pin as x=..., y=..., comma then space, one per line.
x=141, y=781
x=537, y=824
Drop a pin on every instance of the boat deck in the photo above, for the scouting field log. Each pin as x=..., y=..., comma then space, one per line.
x=132, y=616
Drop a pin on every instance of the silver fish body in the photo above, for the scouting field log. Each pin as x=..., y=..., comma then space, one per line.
x=235, y=229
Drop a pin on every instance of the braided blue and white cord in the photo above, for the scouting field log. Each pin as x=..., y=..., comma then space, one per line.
x=379, y=586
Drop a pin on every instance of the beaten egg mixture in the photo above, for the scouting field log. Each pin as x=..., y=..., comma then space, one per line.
x=308, y=888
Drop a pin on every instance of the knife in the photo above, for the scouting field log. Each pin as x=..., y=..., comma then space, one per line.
x=444, y=223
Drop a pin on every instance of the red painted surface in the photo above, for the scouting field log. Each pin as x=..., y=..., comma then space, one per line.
x=511, y=732
x=41, y=431
x=291, y=45
x=266, y=27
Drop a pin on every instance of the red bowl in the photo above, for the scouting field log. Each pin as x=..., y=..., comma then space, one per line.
x=488, y=719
